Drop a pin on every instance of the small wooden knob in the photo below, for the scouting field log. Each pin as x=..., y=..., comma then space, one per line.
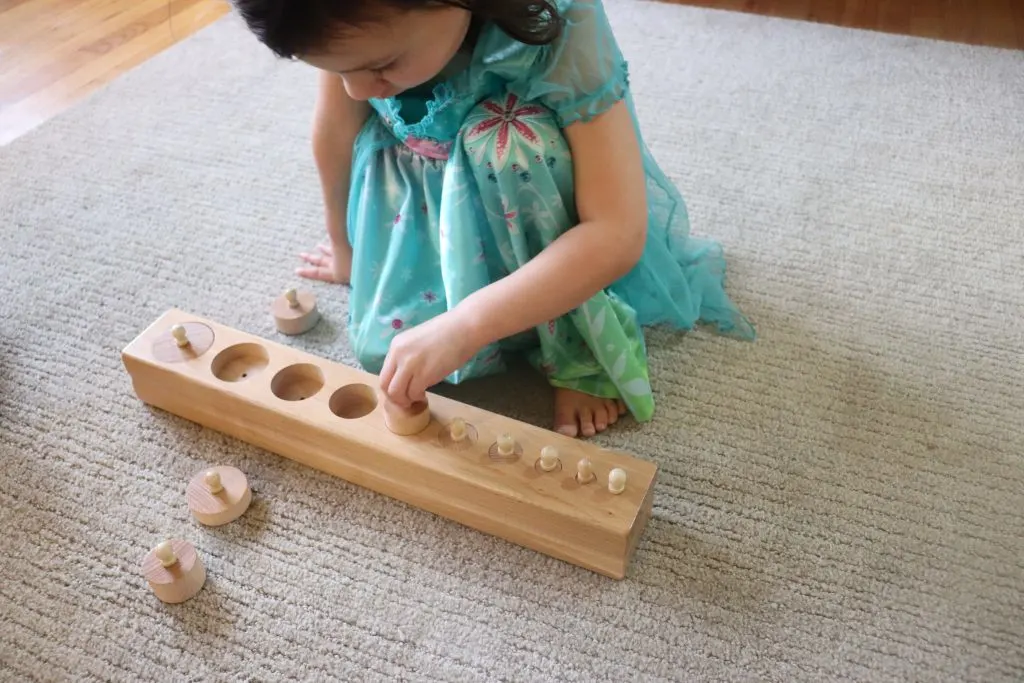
x=180, y=335
x=212, y=479
x=506, y=444
x=584, y=471
x=165, y=553
x=406, y=421
x=617, y=480
x=457, y=429
x=548, y=458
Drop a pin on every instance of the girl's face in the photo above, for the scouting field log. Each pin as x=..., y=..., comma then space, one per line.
x=399, y=52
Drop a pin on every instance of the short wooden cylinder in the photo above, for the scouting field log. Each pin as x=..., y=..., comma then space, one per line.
x=227, y=504
x=406, y=421
x=200, y=339
x=299, y=319
x=181, y=580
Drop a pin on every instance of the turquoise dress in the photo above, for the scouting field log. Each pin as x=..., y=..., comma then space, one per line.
x=457, y=183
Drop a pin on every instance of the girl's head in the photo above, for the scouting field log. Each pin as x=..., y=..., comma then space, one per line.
x=382, y=47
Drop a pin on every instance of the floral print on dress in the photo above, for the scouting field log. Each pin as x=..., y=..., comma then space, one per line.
x=498, y=131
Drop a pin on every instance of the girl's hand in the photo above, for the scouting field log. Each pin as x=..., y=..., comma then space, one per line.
x=424, y=355
x=328, y=264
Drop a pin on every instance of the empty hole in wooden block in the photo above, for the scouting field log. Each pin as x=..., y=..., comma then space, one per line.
x=353, y=401
x=297, y=382
x=239, y=362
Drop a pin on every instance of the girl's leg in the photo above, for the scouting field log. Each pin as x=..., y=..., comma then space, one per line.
x=516, y=165
x=392, y=226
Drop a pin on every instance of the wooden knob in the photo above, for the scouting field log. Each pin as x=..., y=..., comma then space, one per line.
x=457, y=429
x=180, y=335
x=165, y=553
x=548, y=458
x=506, y=444
x=617, y=480
x=212, y=479
x=584, y=471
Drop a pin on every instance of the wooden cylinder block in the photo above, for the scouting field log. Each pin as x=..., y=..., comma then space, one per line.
x=218, y=495
x=500, y=476
x=174, y=571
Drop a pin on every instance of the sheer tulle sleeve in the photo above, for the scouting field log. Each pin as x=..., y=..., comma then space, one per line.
x=582, y=73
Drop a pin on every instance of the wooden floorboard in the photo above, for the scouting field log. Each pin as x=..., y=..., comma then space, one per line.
x=995, y=23
x=55, y=52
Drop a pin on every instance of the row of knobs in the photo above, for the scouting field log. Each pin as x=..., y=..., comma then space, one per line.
x=548, y=461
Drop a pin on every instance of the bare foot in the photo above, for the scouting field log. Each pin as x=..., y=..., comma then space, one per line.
x=579, y=414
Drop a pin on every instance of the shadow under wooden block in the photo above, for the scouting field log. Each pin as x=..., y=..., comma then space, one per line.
x=330, y=416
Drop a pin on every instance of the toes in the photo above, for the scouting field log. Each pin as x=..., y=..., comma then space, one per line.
x=567, y=429
x=612, y=411
x=587, y=421
x=565, y=421
x=577, y=414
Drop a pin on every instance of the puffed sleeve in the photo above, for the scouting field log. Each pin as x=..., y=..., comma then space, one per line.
x=582, y=73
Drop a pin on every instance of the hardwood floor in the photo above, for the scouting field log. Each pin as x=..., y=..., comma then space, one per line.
x=54, y=52
x=997, y=23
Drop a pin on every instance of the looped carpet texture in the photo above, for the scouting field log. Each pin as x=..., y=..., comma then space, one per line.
x=841, y=500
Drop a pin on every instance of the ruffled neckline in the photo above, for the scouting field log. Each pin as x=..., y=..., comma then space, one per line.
x=444, y=92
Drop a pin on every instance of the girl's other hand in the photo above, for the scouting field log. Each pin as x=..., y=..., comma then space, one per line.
x=327, y=264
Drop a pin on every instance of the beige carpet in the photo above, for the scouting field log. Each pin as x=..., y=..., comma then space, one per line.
x=842, y=500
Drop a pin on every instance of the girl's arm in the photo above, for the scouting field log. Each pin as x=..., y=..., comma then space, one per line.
x=611, y=201
x=337, y=119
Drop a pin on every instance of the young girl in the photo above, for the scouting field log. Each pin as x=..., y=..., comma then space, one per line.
x=487, y=190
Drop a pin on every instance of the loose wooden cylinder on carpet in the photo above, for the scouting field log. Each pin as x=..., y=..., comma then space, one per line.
x=218, y=495
x=295, y=312
x=174, y=571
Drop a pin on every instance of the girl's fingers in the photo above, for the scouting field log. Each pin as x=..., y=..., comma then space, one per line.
x=317, y=273
x=387, y=371
x=398, y=388
x=326, y=252
x=313, y=259
x=417, y=390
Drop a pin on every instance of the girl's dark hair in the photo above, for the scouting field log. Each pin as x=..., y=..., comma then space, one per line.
x=294, y=27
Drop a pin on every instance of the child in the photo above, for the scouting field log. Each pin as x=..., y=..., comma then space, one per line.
x=487, y=190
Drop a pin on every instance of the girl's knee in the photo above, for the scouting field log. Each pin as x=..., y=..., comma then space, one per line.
x=505, y=130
